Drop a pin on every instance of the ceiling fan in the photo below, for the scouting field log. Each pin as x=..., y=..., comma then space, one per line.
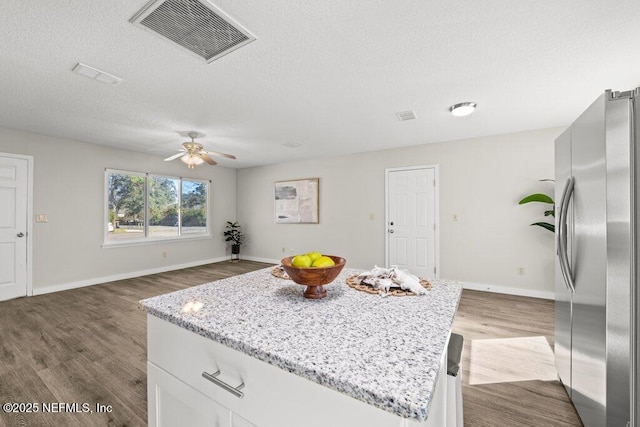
x=193, y=153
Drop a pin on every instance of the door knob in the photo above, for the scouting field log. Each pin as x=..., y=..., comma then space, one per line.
x=21, y=234
x=391, y=231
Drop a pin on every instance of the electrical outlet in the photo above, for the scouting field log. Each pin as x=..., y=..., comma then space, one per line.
x=284, y=249
x=521, y=271
x=164, y=254
x=371, y=217
x=455, y=217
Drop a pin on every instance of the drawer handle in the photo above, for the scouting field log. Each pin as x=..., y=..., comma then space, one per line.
x=214, y=379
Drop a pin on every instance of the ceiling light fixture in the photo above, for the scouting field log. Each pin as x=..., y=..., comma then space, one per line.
x=463, y=109
x=192, y=160
x=193, y=154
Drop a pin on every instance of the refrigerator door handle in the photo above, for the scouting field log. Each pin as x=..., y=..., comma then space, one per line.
x=560, y=220
x=562, y=235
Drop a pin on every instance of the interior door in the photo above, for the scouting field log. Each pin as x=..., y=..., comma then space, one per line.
x=411, y=220
x=13, y=227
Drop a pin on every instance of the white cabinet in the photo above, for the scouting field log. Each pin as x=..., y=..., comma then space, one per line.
x=174, y=403
x=270, y=397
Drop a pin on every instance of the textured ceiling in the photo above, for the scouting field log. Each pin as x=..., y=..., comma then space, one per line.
x=329, y=75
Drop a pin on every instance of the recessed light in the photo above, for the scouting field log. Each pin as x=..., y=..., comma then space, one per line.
x=94, y=73
x=463, y=109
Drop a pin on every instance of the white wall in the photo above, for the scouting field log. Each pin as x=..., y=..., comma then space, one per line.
x=481, y=180
x=69, y=189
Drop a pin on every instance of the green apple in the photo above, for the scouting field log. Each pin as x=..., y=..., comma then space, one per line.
x=301, y=261
x=323, y=261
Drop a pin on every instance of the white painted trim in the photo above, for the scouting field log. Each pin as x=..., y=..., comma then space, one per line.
x=30, y=174
x=30, y=219
x=122, y=276
x=260, y=259
x=436, y=215
x=105, y=279
x=509, y=290
x=436, y=176
x=153, y=241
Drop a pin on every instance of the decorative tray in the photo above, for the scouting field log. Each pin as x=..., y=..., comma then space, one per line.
x=397, y=292
x=279, y=272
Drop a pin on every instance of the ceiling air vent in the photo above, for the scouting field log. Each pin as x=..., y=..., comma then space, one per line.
x=403, y=116
x=197, y=26
x=292, y=144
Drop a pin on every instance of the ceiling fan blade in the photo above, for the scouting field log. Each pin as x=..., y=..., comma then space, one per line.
x=175, y=156
x=207, y=159
x=215, y=153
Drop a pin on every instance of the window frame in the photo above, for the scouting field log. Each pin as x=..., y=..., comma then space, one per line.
x=146, y=239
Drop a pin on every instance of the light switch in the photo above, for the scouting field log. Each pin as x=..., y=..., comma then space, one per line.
x=41, y=218
x=371, y=217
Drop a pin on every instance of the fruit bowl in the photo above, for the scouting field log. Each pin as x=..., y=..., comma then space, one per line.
x=314, y=277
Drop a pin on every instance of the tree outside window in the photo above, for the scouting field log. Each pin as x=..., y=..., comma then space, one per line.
x=194, y=206
x=142, y=206
x=163, y=206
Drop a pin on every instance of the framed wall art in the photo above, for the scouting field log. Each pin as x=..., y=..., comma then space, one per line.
x=296, y=201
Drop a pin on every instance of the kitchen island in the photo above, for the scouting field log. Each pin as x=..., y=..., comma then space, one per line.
x=251, y=351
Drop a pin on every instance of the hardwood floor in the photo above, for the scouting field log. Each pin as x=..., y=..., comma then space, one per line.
x=509, y=378
x=88, y=346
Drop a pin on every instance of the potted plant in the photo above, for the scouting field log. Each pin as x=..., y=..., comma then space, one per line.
x=233, y=233
x=542, y=198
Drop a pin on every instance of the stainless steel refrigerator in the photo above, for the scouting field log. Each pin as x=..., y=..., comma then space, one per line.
x=597, y=195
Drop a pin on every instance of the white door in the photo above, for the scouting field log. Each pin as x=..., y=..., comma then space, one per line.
x=13, y=227
x=412, y=219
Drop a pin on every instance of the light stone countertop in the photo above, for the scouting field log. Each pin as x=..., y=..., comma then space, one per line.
x=384, y=351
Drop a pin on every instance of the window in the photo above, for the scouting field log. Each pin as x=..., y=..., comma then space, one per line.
x=194, y=207
x=163, y=206
x=144, y=207
x=126, y=195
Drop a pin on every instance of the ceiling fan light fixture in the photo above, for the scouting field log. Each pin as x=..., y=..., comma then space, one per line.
x=192, y=160
x=463, y=109
x=193, y=154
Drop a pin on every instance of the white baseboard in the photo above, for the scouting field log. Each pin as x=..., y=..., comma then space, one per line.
x=259, y=259
x=130, y=275
x=509, y=290
x=122, y=276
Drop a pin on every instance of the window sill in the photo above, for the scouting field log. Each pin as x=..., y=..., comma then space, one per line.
x=146, y=242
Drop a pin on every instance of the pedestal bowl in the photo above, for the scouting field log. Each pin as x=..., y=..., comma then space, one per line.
x=314, y=277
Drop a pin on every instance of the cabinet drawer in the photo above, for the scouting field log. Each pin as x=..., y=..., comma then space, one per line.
x=270, y=397
x=173, y=403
